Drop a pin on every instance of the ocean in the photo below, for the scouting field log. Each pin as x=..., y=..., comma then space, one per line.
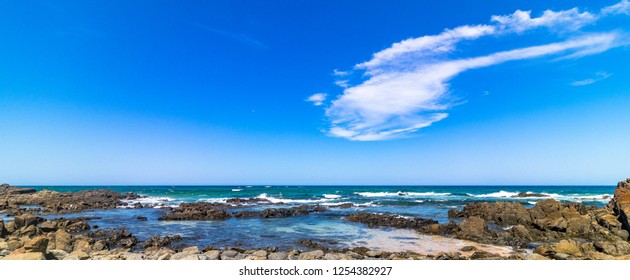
x=328, y=228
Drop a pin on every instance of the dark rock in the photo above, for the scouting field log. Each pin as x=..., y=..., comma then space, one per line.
x=343, y=205
x=281, y=212
x=468, y=248
x=5, y=189
x=3, y=230
x=390, y=220
x=141, y=218
x=114, y=238
x=25, y=220
x=158, y=241
x=196, y=211
x=483, y=255
x=501, y=213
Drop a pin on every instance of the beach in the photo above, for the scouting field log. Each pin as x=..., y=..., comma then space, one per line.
x=314, y=222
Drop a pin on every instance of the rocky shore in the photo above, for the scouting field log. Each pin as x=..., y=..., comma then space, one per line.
x=548, y=230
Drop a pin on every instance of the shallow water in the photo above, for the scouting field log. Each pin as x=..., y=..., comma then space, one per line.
x=329, y=227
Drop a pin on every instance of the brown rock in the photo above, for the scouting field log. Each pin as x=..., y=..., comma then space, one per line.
x=31, y=256
x=474, y=228
x=621, y=203
x=63, y=241
x=37, y=244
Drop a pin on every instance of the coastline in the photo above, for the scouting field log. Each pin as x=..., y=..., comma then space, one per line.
x=497, y=230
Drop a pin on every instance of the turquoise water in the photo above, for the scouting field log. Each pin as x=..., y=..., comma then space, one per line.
x=421, y=201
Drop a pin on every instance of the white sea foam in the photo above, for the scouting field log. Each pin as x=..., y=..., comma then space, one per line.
x=499, y=194
x=384, y=194
x=156, y=201
x=419, y=201
x=560, y=197
x=237, y=190
x=332, y=196
x=289, y=201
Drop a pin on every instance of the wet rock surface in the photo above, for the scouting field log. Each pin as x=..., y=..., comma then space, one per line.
x=218, y=211
x=389, y=220
x=13, y=198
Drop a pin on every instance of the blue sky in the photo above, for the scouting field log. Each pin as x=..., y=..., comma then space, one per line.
x=321, y=92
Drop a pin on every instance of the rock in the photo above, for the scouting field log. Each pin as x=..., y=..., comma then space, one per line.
x=82, y=245
x=623, y=234
x=191, y=250
x=49, y=226
x=373, y=254
x=114, y=238
x=3, y=231
x=63, y=241
x=483, y=255
x=260, y=254
x=30, y=231
x=158, y=241
x=228, y=254
x=468, y=248
x=141, y=218
x=536, y=257
x=58, y=254
x=282, y=212
x=184, y=256
x=14, y=244
x=77, y=255
x=213, y=255
x=277, y=256
x=390, y=220
x=501, y=213
x=4, y=253
x=336, y=256
x=133, y=256
x=37, y=244
x=4, y=245
x=32, y=256
x=621, y=203
x=473, y=228
x=6, y=190
x=196, y=211
x=312, y=255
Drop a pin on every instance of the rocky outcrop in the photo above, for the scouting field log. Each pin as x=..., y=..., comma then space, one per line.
x=620, y=203
x=11, y=198
x=281, y=212
x=157, y=241
x=215, y=211
x=390, y=220
x=196, y=211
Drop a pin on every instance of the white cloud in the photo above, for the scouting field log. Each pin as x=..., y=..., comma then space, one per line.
x=317, y=99
x=622, y=7
x=520, y=21
x=397, y=102
x=598, y=77
x=425, y=46
x=340, y=73
x=343, y=83
x=407, y=85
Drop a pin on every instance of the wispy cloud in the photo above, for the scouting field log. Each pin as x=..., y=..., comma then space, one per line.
x=622, y=7
x=598, y=77
x=235, y=36
x=340, y=73
x=317, y=99
x=406, y=86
